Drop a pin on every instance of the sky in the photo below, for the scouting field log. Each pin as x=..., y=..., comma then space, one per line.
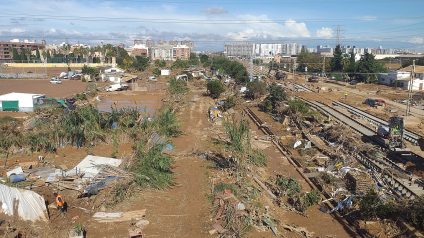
x=363, y=23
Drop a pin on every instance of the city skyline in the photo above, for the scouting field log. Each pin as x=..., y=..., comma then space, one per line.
x=391, y=24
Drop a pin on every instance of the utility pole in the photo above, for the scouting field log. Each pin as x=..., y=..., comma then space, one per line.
x=338, y=35
x=251, y=63
x=411, y=81
x=323, y=67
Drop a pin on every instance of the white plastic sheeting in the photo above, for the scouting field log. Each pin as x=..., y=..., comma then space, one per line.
x=90, y=166
x=29, y=205
x=17, y=170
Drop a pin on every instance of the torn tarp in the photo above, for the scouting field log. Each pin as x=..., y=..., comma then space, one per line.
x=91, y=165
x=28, y=205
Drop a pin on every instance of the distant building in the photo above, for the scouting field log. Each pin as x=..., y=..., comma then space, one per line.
x=238, y=50
x=267, y=50
x=161, y=52
x=181, y=52
x=139, y=50
x=392, y=77
x=402, y=78
x=6, y=48
x=291, y=48
x=261, y=50
x=325, y=50
x=417, y=82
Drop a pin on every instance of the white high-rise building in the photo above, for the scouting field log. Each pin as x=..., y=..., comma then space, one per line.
x=267, y=50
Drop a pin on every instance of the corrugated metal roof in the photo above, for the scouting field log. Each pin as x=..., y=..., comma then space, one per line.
x=17, y=96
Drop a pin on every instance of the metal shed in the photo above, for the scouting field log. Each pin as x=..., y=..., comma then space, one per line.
x=20, y=102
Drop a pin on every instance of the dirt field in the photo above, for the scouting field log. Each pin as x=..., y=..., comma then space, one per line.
x=66, y=89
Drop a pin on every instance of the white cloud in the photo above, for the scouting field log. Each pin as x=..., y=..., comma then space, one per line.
x=325, y=32
x=16, y=30
x=417, y=40
x=368, y=18
x=131, y=25
x=269, y=30
x=216, y=11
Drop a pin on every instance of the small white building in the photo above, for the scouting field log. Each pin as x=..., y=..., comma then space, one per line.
x=165, y=72
x=22, y=102
x=391, y=77
x=418, y=79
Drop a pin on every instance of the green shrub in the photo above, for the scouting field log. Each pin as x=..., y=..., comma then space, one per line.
x=220, y=187
x=257, y=157
x=156, y=72
x=229, y=102
x=256, y=89
x=289, y=186
x=177, y=86
x=298, y=106
x=215, y=88
x=167, y=123
x=152, y=167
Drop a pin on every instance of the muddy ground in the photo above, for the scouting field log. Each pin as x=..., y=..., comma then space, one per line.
x=184, y=209
x=66, y=89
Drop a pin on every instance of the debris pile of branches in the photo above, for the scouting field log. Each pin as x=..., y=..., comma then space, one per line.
x=231, y=218
x=288, y=190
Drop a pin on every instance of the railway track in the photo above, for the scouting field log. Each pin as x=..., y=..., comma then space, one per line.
x=381, y=165
x=408, y=135
x=400, y=186
x=351, y=228
x=377, y=166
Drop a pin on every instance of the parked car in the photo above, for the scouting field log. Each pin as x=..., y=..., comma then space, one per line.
x=353, y=82
x=55, y=80
x=152, y=78
x=76, y=77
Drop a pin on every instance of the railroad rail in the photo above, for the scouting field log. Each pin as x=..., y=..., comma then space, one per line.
x=380, y=165
x=408, y=135
x=351, y=228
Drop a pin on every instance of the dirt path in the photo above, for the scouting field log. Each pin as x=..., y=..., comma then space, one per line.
x=183, y=211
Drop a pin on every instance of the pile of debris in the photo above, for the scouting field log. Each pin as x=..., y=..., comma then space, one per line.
x=358, y=182
x=231, y=216
x=91, y=175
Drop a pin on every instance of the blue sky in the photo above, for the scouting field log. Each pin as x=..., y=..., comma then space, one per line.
x=366, y=23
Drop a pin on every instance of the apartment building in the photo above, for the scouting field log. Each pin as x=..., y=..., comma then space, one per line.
x=6, y=48
x=261, y=50
x=161, y=52
x=238, y=50
x=181, y=52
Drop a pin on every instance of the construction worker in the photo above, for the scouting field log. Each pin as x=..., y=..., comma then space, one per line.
x=345, y=96
x=60, y=202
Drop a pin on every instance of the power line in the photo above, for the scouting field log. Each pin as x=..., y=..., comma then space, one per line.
x=203, y=21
